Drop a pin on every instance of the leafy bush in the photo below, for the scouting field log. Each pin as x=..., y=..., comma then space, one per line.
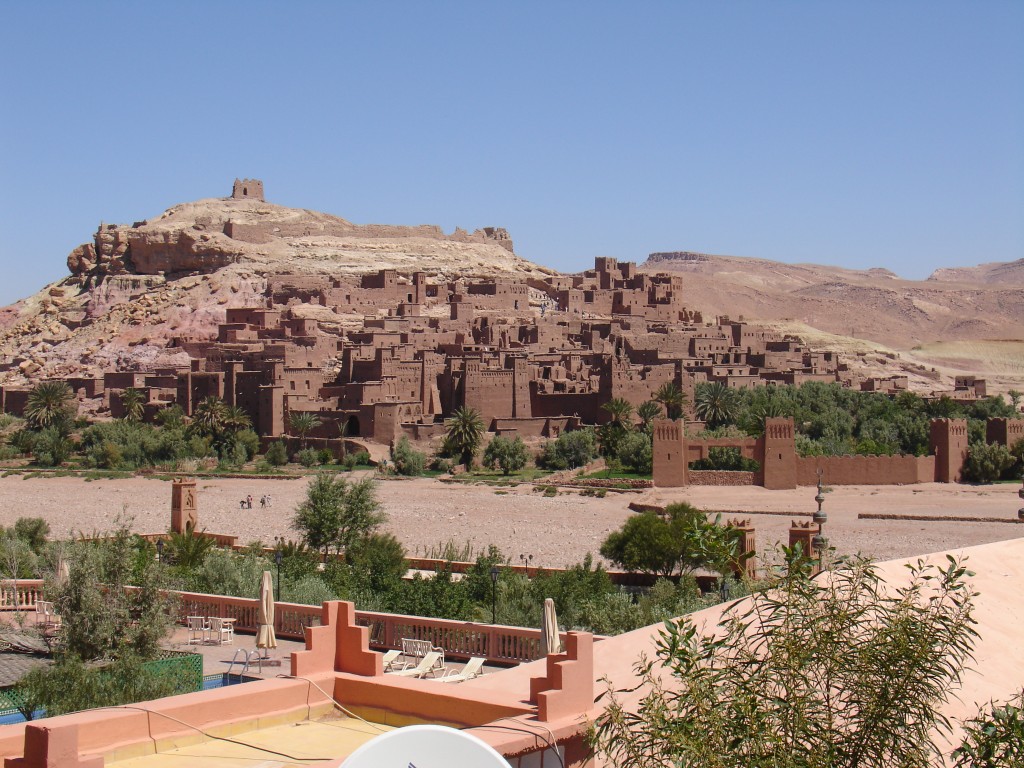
x=995, y=738
x=507, y=455
x=325, y=456
x=353, y=460
x=307, y=457
x=571, y=450
x=407, y=460
x=277, y=454
x=987, y=462
x=635, y=452
x=726, y=459
x=442, y=464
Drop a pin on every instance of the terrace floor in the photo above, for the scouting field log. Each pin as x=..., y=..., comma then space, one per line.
x=295, y=744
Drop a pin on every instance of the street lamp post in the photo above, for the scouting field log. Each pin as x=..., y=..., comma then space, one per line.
x=278, y=557
x=160, y=551
x=1020, y=512
x=819, y=541
x=494, y=594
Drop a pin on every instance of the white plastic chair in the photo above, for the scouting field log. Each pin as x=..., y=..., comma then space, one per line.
x=197, y=629
x=221, y=632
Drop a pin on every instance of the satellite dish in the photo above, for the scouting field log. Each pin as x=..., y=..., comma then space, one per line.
x=425, y=746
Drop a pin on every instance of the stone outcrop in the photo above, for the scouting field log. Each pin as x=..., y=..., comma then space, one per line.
x=207, y=235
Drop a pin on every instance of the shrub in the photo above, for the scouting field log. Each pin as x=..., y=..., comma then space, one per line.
x=726, y=459
x=507, y=455
x=353, y=460
x=307, y=457
x=635, y=452
x=571, y=450
x=277, y=454
x=407, y=460
x=986, y=463
x=325, y=456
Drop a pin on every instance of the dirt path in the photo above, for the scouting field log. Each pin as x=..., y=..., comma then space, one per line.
x=556, y=531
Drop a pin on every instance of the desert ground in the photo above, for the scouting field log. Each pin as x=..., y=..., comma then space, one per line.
x=558, y=531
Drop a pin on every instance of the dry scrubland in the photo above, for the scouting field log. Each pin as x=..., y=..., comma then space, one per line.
x=556, y=531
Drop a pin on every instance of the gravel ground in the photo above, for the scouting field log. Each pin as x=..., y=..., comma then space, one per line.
x=558, y=531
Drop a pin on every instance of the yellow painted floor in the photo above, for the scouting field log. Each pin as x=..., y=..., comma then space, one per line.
x=332, y=737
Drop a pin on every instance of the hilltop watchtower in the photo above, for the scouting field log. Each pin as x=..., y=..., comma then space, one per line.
x=247, y=189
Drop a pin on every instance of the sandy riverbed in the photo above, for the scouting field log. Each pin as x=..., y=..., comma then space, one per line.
x=557, y=531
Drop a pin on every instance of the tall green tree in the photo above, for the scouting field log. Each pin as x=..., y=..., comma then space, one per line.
x=505, y=454
x=715, y=403
x=465, y=431
x=661, y=544
x=50, y=404
x=302, y=423
x=133, y=401
x=647, y=412
x=208, y=417
x=336, y=513
x=838, y=672
x=672, y=398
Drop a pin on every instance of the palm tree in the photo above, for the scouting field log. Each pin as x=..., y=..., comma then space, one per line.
x=235, y=419
x=715, y=403
x=303, y=422
x=672, y=398
x=208, y=417
x=648, y=411
x=188, y=549
x=133, y=401
x=465, y=430
x=49, y=404
x=619, y=410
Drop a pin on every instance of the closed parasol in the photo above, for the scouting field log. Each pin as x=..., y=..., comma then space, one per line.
x=265, y=637
x=550, y=642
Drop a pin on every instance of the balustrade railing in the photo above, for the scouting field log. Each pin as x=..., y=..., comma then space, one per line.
x=20, y=594
x=498, y=644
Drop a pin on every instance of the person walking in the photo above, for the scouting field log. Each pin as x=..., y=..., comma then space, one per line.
x=249, y=499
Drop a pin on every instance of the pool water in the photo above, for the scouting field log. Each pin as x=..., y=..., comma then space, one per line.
x=219, y=681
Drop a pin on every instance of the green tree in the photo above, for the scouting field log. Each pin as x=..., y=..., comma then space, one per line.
x=187, y=550
x=208, y=417
x=649, y=542
x=635, y=452
x=50, y=404
x=52, y=447
x=715, y=403
x=834, y=672
x=647, y=412
x=672, y=398
x=507, y=455
x=336, y=512
x=133, y=401
x=407, y=460
x=569, y=451
x=302, y=423
x=986, y=462
x=100, y=618
x=277, y=454
x=1015, y=397
x=465, y=431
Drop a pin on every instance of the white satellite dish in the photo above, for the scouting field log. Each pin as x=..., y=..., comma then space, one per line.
x=425, y=746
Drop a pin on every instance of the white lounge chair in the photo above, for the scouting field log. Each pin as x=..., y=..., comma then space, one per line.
x=430, y=664
x=472, y=669
x=391, y=662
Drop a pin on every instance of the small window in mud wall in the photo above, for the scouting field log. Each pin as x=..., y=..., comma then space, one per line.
x=517, y=304
x=293, y=386
x=409, y=298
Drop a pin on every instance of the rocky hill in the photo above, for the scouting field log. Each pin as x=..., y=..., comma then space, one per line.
x=134, y=287
x=967, y=320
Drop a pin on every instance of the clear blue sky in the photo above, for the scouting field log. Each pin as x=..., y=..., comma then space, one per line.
x=860, y=134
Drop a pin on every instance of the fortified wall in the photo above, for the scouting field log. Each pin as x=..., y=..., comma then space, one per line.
x=782, y=468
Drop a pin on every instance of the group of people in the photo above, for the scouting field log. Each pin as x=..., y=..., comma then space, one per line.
x=265, y=502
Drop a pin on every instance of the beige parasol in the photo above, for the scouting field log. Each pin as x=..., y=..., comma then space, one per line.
x=265, y=637
x=550, y=642
x=63, y=572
